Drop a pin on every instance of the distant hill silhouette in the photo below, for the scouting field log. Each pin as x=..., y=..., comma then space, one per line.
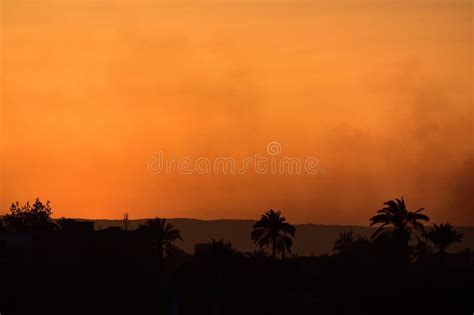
x=311, y=239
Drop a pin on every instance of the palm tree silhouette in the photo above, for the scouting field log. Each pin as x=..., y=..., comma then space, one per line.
x=442, y=236
x=402, y=221
x=273, y=230
x=397, y=215
x=163, y=235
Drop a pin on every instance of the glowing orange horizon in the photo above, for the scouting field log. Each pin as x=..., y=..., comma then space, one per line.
x=380, y=93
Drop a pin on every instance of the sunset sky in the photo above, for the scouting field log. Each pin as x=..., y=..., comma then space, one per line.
x=380, y=92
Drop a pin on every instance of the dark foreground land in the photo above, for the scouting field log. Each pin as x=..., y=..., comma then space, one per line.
x=117, y=272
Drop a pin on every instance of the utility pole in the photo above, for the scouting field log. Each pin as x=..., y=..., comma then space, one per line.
x=125, y=221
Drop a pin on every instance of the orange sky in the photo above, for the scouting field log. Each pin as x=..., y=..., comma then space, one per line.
x=379, y=91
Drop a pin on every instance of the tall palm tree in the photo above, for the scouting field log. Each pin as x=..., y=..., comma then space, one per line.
x=442, y=236
x=273, y=230
x=396, y=214
x=163, y=235
x=401, y=220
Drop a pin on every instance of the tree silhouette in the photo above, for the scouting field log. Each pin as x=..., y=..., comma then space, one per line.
x=163, y=235
x=221, y=248
x=350, y=244
x=218, y=254
x=29, y=217
x=273, y=230
x=402, y=221
x=442, y=236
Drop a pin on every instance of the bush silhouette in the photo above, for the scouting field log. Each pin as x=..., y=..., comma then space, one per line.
x=350, y=244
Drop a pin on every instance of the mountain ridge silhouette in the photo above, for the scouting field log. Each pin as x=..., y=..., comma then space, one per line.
x=311, y=239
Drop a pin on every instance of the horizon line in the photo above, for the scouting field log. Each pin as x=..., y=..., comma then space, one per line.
x=253, y=220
